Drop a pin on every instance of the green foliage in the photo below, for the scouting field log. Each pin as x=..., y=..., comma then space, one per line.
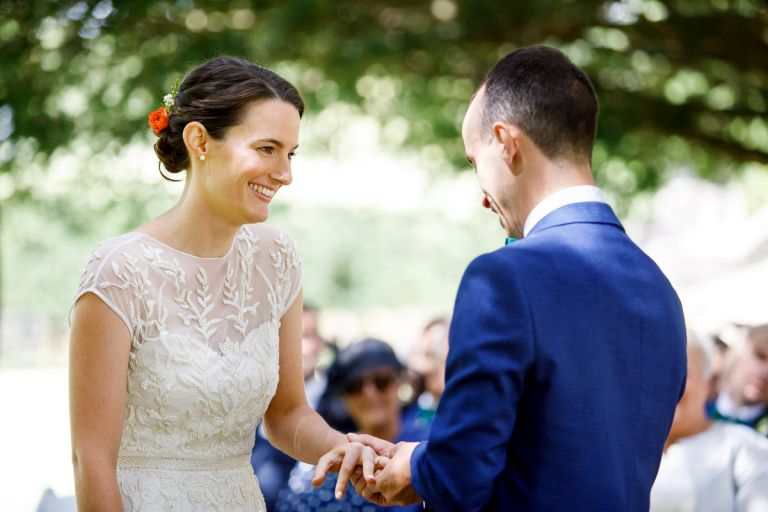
x=360, y=259
x=355, y=259
x=681, y=83
x=64, y=207
x=690, y=70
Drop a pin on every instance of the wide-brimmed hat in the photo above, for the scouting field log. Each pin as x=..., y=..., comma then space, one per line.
x=358, y=359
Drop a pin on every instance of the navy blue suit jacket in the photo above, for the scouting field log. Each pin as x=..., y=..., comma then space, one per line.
x=567, y=358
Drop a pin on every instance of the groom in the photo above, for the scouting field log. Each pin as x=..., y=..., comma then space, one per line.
x=567, y=347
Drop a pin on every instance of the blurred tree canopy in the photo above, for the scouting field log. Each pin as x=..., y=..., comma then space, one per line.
x=681, y=82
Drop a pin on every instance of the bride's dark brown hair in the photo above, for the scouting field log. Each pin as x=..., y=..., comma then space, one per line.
x=215, y=94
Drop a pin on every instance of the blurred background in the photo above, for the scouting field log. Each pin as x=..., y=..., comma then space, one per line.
x=382, y=207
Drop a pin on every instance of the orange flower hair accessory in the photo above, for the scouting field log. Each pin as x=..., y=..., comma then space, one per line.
x=158, y=120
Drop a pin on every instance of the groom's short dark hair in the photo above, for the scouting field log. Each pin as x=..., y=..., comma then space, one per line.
x=542, y=92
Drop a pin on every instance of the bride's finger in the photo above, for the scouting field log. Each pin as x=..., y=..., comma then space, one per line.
x=348, y=464
x=327, y=463
x=369, y=464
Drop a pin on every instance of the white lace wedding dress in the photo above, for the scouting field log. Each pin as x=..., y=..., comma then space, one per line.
x=203, y=363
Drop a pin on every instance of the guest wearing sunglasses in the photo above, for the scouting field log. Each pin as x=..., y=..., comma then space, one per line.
x=364, y=380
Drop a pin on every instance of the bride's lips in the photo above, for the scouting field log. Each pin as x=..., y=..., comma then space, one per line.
x=262, y=192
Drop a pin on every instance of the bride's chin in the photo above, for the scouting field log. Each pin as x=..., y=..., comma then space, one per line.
x=256, y=217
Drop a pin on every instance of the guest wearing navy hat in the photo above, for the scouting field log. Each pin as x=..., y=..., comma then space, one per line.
x=364, y=382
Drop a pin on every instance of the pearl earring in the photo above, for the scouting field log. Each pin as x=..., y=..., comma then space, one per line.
x=202, y=157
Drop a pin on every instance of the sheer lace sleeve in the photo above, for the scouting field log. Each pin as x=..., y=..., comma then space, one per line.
x=290, y=277
x=287, y=278
x=112, y=276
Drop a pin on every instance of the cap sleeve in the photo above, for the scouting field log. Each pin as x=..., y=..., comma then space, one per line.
x=287, y=264
x=108, y=276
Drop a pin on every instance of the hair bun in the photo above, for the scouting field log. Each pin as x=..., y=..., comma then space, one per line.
x=215, y=94
x=170, y=148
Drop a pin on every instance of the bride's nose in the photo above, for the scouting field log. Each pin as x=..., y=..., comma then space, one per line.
x=282, y=174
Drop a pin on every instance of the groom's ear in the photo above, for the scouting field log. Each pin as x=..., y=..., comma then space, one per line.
x=508, y=136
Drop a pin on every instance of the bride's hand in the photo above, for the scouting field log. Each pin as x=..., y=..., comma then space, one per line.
x=344, y=459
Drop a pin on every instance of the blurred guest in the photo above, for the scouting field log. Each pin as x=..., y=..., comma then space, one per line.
x=312, y=346
x=365, y=378
x=743, y=397
x=709, y=465
x=720, y=351
x=270, y=465
x=427, y=362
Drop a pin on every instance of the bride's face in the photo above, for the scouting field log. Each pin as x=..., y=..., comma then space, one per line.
x=244, y=171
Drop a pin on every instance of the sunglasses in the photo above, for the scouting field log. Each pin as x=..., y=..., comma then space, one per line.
x=381, y=381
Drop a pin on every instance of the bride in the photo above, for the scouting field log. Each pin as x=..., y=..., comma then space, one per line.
x=186, y=332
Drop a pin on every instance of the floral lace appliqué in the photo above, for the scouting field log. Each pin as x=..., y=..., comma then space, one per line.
x=203, y=362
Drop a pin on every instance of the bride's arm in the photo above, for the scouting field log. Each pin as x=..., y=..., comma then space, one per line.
x=290, y=423
x=295, y=428
x=98, y=369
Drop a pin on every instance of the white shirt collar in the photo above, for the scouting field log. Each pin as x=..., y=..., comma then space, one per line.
x=727, y=407
x=570, y=195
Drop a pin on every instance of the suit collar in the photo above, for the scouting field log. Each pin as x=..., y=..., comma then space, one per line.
x=590, y=213
x=568, y=195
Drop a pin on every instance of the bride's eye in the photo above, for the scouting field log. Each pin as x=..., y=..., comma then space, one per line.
x=267, y=150
x=291, y=155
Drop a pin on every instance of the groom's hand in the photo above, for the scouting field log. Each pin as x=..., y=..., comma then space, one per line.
x=382, y=447
x=391, y=485
x=344, y=459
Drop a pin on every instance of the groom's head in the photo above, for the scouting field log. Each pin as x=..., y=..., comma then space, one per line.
x=545, y=95
x=534, y=110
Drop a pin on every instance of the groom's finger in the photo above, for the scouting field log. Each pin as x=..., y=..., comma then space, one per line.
x=356, y=476
x=382, y=447
x=368, y=492
x=364, y=489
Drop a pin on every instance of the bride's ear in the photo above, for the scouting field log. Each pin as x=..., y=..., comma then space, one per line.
x=195, y=139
